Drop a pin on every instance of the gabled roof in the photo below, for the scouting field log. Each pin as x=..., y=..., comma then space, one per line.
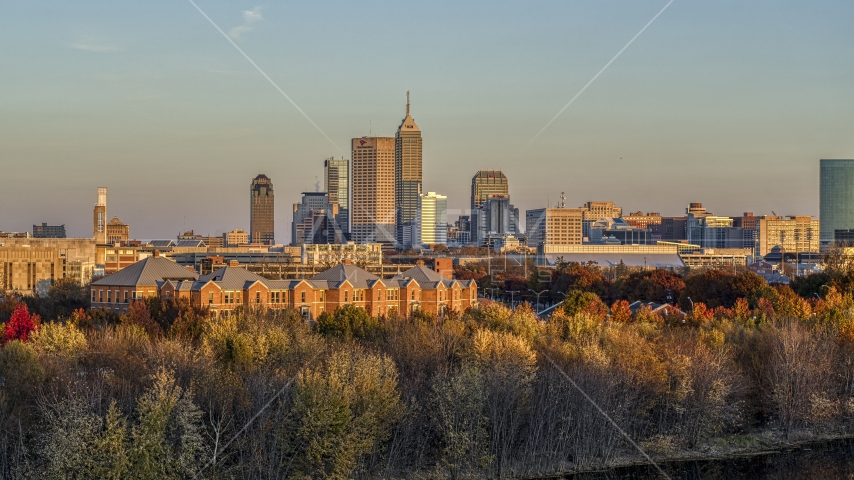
x=654, y=307
x=336, y=275
x=230, y=278
x=147, y=272
x=425, y=277
x=162, y=243
x=190, y=243
x=177, y=285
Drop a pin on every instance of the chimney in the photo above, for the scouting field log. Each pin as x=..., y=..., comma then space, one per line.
x=233, y=263
x=420, y=263
x=347, y=261
x=444, y=266
x=156, y=253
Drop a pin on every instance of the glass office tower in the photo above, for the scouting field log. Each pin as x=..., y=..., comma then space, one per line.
x=836, y=198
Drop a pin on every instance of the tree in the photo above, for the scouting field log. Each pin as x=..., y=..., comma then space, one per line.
x=620, y=312
x=719, y=287
x=342, y=410
x=347, y=322
x=138, y=314
x=578, y=301
x=67, y=295
x=660, y=286
x=21, y=325
x=575, y=276
x=167, y=439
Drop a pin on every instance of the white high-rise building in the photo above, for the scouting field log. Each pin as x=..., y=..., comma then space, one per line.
x=432, y=219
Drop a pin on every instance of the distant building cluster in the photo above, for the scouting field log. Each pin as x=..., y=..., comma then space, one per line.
x=375, y=204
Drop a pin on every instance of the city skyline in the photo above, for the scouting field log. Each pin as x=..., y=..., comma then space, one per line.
x=670, y=112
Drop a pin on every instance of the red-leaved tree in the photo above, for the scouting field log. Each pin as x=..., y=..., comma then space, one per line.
x=21, y=325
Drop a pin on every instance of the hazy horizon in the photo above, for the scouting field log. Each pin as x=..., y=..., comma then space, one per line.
x=728, y=104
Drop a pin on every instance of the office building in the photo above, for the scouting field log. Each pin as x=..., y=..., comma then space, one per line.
x=554, y=226
x=844, y=237
x=48, y=231
x=372, y=214
x=795, y=234
x=99, y=222
x=235, y=237
x=27, y=269
x=310, y=202
x=836, y=198
x=495, y=217
x=214, y=241
x=336, y=182
x=407, y=174
x=593, y=211
x=261, y=216
x=639, y=220
x=618, y=231
x=315, y=220
x=486, y=184
x=117, y=232
x=597, y=210
x=433, y=215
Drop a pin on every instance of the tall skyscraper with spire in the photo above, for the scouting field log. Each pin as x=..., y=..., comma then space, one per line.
x=407, y=176
x=261, y=211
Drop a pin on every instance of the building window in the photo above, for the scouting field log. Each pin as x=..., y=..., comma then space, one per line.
x=346, y=296
x=109, y=296
x=210, y=297
x=126, y=296
x=257, y=297
x=413, y=294
x=93, y=295
x=303, y=297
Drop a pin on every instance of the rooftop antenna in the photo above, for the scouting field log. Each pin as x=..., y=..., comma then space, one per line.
x=407, y=103
x=316, y=184
x=562, y=203
x=370, y=128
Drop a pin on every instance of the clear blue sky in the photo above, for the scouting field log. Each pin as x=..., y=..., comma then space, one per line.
x=728, y=103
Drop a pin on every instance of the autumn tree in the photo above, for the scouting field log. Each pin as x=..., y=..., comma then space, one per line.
x=659, y=286
x=575, y=276
x=21, y=325
x=719, y=287
x=139, y=315
x=620, y=312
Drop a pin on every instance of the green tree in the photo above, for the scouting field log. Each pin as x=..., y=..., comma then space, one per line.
x=166, y=441
x=347, y=322
x=578, y=301
x=342, y=410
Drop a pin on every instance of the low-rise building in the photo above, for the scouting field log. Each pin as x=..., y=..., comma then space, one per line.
x=141, y=280
x=232, y=286
x=235, y=237
x=646, y=256
x=718, y=257
x=48, y=231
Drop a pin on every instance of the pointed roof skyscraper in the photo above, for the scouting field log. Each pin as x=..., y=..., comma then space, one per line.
x=407, y=174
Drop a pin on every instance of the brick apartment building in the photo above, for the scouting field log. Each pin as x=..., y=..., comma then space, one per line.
x=233, y=286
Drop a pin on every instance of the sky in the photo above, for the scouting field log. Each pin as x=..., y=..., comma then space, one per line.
x=728, y=103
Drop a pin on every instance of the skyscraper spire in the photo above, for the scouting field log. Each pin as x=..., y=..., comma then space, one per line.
x=407, y=103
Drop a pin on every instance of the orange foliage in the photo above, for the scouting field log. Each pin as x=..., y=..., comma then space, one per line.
x=620, y=312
